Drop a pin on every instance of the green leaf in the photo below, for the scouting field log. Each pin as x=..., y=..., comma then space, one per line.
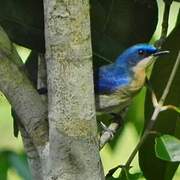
x=168, y=122
x=117, y=25
x=167, y=148
x=10, y=159
x=125, y=175
x=4, y=164
x=24, y=22
x=20, y=165
x=128, y=176
x=178, y=18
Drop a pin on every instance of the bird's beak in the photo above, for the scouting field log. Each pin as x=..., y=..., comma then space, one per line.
x=159, y=53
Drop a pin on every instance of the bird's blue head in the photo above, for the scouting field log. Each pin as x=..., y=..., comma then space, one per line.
x=138, y=56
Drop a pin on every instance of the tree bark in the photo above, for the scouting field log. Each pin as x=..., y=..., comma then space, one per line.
x=26, y=102
x=74, y=151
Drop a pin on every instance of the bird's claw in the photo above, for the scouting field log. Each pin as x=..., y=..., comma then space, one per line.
x=107, y=130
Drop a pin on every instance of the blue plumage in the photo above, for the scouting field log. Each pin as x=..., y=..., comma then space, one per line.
x=114, y=76
x=117, y=83
x=111, y=78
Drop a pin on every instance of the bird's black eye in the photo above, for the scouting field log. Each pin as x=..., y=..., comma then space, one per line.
x=140, y=52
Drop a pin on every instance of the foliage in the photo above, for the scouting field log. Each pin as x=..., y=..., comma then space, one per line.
x=10, y=159
x=23, y=22
x=167, y=148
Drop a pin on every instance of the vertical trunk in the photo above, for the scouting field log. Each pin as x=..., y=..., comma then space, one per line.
x=73, y=140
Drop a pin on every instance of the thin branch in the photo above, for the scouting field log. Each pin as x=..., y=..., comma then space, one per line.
x=102, y=57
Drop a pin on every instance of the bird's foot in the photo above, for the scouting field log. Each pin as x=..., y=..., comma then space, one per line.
x=107, y=130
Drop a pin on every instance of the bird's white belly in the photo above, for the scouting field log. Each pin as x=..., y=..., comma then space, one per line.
x=117, y=101
x=114, y=102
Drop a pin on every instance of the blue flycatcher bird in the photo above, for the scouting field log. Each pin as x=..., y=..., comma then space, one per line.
x=116, y=84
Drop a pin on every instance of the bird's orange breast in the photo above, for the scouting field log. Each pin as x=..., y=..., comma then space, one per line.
x=138, y=81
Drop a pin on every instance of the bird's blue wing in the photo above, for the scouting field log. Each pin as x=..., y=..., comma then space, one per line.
x=109, y=79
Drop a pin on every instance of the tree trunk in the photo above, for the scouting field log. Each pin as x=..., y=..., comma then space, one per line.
x=74, y=151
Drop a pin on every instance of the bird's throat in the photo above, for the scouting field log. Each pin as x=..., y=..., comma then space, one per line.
x=138, y=80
